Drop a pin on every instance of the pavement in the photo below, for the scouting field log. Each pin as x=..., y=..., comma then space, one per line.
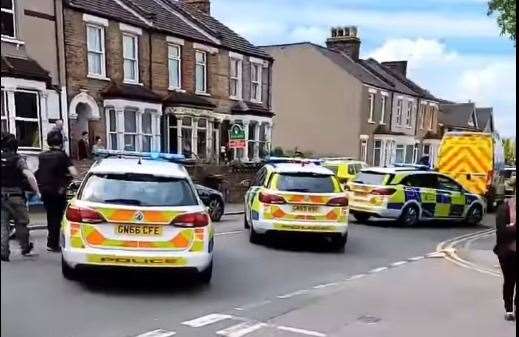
x=386, y=283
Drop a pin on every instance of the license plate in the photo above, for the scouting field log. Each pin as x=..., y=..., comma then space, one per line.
x=305, y=209
x=138, y=230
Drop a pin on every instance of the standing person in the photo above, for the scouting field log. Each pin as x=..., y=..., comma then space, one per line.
x=15, y=176
x=506, y=250
x=53, y=174
x=98, y=145
x=82, y=146
x=58, y=127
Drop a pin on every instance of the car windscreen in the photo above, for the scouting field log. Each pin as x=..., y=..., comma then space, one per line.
x=371, y=178
x=306, y=183
x=138, y=190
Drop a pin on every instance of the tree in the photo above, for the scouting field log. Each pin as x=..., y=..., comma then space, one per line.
x=506, y=15
x=509, y=149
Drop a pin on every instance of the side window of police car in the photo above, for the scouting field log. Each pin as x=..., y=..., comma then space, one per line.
x=448, y=184
x=420, y=180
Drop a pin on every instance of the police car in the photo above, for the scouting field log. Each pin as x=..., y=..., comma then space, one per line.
x=411, y=195
x=296, y=195
x=137, y=210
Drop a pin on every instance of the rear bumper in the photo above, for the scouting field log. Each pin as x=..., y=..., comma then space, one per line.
x=380, y=212
x=263, y=226
x=135, y=259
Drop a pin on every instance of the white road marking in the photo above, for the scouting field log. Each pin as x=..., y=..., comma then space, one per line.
x=436, y=255
x=158, y=333
x=241, y=329
x=301, y=331
x=321, y=286
x=295, y=293
x=228, y=233
x=206, y=320
x=399, y=263
x=378, y=270
x=356, y=277
x=252, y=305
x=417, y=258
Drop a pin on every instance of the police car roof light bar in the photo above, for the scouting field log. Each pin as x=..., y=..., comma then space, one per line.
x=174, y=158
x=417, y=167
x=287, y=160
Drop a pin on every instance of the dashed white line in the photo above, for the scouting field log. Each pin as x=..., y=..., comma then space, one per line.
x=378, y=270
x=301, y=331
x=321, y=286
x=158, y=333
x=295, y=293
x=252, y=305
x=228, y=233
x=206, y=320
x=417, y=258
x=241, y=329
x=399, y=263
x=356, y=277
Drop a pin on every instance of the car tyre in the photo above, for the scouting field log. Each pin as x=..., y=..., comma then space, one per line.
x=474, y=215
x=361, y=217
x=246, y=224
x=410, y=216
x=68, y=272
x=206, y=275
x=339, y=242
x=216, y=209
x=254, y=237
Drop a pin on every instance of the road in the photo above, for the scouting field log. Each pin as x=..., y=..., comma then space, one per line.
x=253, y=287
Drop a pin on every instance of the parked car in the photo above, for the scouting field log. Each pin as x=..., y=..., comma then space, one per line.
x=344, y=168
x=213, y=199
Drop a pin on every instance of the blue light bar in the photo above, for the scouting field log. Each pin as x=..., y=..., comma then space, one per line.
x=171, y=157
x=417, y=167
x=287, y=160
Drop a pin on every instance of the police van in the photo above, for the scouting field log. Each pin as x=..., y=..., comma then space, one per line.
x=137, y=210
x=412, y=194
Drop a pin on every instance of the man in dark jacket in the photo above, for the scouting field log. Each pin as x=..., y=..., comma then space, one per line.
x=54, y=170
x=506, y=251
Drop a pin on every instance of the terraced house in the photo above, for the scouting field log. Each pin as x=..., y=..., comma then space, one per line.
x=164, y=75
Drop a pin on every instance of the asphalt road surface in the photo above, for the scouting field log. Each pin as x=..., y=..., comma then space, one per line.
x=253, y=290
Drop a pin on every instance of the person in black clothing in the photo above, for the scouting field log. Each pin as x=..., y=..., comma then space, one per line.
x=506, y=251
x=83, y=146
x=54, y=171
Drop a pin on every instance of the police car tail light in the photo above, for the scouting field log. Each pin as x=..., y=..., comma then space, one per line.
x=271, y=199
x=191, y=220
x=383, y=191
x=84, y=215
x=338, y=202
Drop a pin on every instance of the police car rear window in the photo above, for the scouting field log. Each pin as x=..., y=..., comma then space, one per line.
x=306, y=183
x=371, y=178
x=138, y=190
x=333, y=168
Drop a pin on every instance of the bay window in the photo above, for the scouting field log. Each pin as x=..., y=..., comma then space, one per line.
x=147, y=133
x=131, y=58
x=432, y=118
x=112, y=129
x=422, y=116
x=409, y=154
x=377, y=153
x=364, y=150
x=130, y=130
x=256, y=82
x=8, y=19
x=236, y=78
x=201, y=71
x=399, y=154
x=399, y=109
x=96, y=51
x=187, y=136
x=175, y=67
x=173, y=134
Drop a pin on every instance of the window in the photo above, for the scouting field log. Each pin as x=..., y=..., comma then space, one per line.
x=112, y=130
x=173, y=134
x=426, y=150
x=383, y=109
x=263, y=145
x=422, y=116
x=256, y=82
x=130, y=130
x=27, y=120
x=8, y=19
x=187, y=137
x=260, y=177
x=96, y=50
x=305, y=183
x=371, y=100
x=3, y=110
x=201, y=71
x=371, y=178
x=399, y=109
x=432, y=118
x=377, y=153
x=399, y=154
x=447, y=184
x=202, y=138
x=424, y=180
x=251, y=143
x=236, y=78
x=131, y=58
x=408, y=115
x=147, y=133
x=364, y=150
x=409, y=154
x=175, y=67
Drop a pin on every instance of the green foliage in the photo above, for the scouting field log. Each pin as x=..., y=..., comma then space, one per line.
x=509, y=149
x=506, y=16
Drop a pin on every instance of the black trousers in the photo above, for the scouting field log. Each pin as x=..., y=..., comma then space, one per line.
x=55, y=206
x=508, y=264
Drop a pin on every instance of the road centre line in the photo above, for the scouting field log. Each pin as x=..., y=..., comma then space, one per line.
x=321, y=286
x=356, y=277
x=206, y=320
x=228, y=233
x=416, y=258
x=252, y=305
x=399, y=263
x=301, y=331
x=158, y=333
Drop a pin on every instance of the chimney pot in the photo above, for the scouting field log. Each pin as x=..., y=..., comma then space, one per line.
x=344, y=40
x=399, y=67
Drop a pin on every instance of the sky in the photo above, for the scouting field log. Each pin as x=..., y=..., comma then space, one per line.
x=453, y=48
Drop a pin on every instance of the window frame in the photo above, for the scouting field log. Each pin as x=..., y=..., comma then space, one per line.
x=4, y=113
x=375, y=148
x=25, y=119
x=237, y=78
x=364, y=150
x=259, y=82
x=409, y=115
x=204, y=129
x=135, y=61
x=431, y=119
x=204, y=67
x=134, y=134
x=459, y=189
x=143, y=134
x=177, y=59
x=12, y=12
x=399, y=111
x=383, y=110
x=109, y=133
x=371, y=100
x=102, y=52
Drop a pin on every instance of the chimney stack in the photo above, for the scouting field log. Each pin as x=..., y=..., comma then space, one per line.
x=399, y=67
x=203, y=6
x=346, y=41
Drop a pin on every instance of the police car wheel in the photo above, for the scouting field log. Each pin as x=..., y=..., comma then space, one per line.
x=474, y=216
x=206, y=275
x=245, y=221
x=254, y=237
x=68, y=272
x=216, y=209
x=410, y=216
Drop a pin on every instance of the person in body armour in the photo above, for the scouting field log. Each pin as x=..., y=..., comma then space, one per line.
x=53, y=173
x=15, y=177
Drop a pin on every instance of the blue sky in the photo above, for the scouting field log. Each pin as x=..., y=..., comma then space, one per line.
x=454, y=49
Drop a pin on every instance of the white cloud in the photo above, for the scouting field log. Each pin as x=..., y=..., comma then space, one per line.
x=488, y=80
